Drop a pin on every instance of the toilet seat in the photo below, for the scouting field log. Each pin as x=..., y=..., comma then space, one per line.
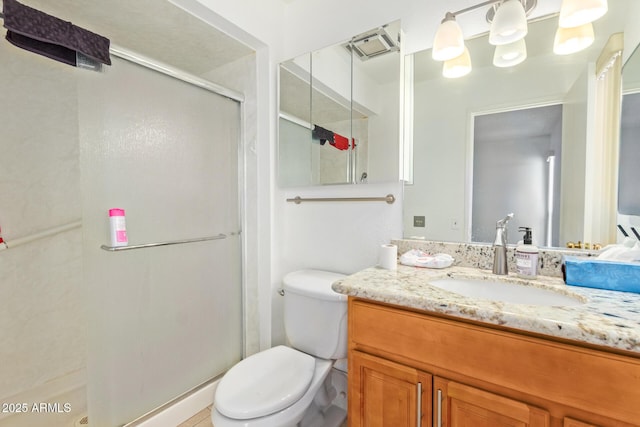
x=264, y=383
x=288, y=417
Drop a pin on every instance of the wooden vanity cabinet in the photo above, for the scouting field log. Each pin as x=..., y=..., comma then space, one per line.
x=461, y=405
x=390, y=394
x=411, y=368
x=568, y=422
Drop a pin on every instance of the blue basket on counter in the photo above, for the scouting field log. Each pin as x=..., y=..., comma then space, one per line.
x=602, y=274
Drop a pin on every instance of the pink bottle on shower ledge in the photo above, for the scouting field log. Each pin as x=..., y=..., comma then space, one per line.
x=117, y=228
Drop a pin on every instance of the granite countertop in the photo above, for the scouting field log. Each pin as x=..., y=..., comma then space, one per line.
x=606, y=318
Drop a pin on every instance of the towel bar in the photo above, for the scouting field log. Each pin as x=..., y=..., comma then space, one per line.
x=40, y=235
x=389, y=198
x=172, y=242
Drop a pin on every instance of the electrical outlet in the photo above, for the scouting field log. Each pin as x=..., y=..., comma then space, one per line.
x=418, y=221
x=455, y=224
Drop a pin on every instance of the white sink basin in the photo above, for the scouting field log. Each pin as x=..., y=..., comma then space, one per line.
x=506, y=292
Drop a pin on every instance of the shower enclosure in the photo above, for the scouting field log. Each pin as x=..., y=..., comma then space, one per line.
x=163, y=319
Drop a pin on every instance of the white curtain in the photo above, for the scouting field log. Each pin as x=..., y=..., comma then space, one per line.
x=601, y=199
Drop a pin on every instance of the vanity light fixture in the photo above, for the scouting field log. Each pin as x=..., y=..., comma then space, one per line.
x=574, y=13
x=508, y=19
x=572, y=40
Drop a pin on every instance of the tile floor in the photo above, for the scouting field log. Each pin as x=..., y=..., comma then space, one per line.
x=203, y=419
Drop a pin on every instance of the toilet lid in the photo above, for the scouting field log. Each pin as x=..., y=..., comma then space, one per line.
x=264, y=383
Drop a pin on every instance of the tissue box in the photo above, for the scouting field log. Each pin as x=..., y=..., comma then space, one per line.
x=602, y=274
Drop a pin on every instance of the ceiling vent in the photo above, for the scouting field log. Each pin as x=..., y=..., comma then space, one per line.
x=371, y=44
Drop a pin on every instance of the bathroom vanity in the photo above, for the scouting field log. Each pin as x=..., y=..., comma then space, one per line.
x=423, y=356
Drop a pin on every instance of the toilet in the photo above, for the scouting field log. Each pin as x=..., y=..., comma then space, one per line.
x=287, y=386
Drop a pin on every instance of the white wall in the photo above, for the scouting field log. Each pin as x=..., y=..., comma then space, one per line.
x=337, y=236
x=631, y=30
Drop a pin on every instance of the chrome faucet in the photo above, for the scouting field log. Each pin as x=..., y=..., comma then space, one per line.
x=500, y=247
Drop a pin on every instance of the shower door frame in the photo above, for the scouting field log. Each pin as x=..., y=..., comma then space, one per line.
x=238, y=97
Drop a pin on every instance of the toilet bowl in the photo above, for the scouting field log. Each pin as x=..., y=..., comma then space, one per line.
x=287, y=386
x=265, y=403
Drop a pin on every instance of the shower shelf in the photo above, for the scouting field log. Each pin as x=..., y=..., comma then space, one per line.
x=153, y=245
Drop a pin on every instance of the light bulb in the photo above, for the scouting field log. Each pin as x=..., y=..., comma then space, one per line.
x=508, y=55
x=448, y=42
x=457, y=67
x=572, y=40
x=574, y=13
x=509, y=23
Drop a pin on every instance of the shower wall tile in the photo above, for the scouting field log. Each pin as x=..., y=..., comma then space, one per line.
x=42, y=314
x=40, y=170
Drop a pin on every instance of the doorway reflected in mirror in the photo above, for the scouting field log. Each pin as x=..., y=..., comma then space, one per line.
x=516, y=168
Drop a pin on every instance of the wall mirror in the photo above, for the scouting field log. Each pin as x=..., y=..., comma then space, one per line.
x=629, y=173
x=442, y=182
x=340, y=112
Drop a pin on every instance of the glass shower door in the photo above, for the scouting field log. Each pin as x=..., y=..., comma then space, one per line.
x=162, y=320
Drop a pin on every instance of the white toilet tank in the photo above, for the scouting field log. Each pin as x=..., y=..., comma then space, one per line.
x=315, y=316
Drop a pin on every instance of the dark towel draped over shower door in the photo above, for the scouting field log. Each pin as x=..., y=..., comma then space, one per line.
x=46, y=35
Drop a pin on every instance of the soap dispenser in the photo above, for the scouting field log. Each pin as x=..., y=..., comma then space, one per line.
x=526, y=256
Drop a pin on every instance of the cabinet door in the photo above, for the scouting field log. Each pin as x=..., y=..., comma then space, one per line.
x=459, y=405
x=387, y=394
x=570, y=422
